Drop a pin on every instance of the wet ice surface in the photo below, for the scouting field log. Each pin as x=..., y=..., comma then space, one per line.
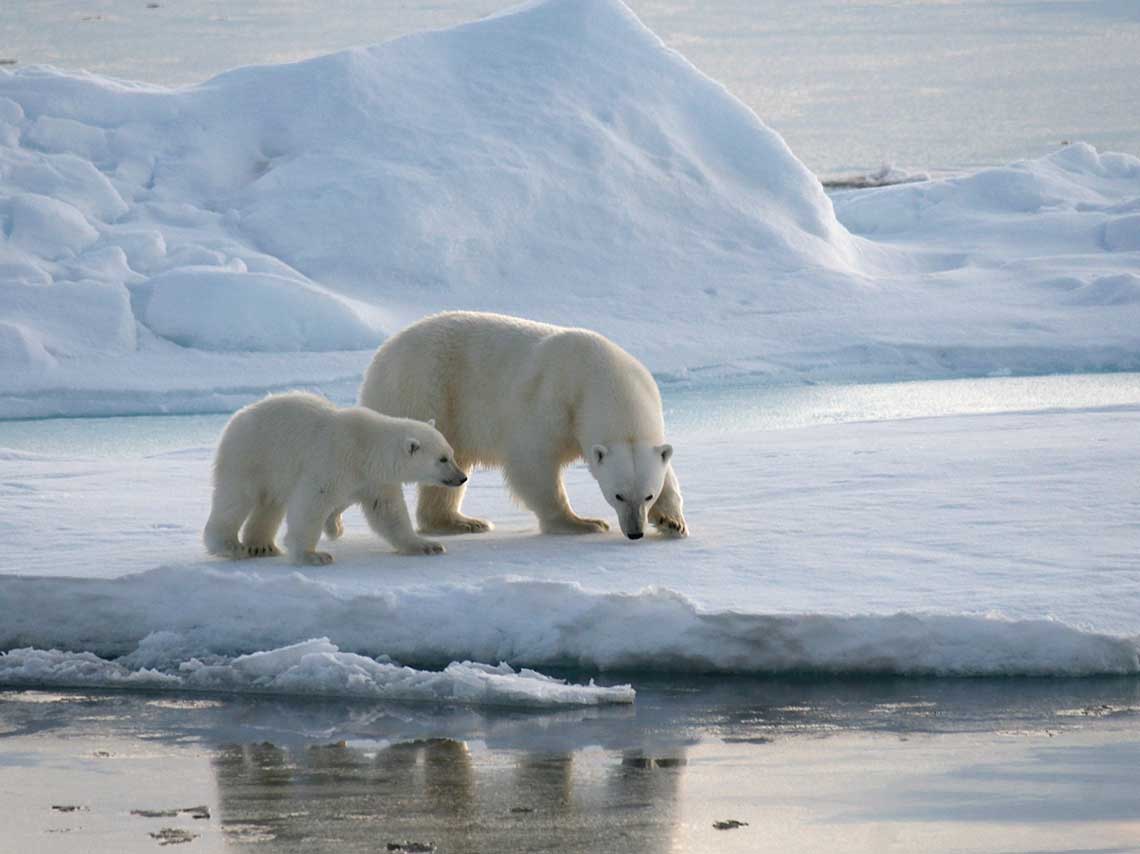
x=962, y=765
x=1000, y=543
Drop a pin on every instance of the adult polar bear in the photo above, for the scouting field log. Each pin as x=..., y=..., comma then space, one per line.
x=530, y=398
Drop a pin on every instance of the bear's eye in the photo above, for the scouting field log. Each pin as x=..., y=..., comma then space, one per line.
x=649, y=498
x=620, y=497
x=443, y=459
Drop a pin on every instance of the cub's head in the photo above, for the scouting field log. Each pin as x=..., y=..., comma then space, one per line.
x=428, y=458
x=630, y=475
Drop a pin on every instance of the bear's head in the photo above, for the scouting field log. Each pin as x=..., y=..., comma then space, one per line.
x=630, y=475
x=427, y=457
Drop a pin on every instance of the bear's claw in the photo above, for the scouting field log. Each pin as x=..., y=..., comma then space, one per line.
x=574, y=525
x=316, y=559
x=456, y=525
x=262, y=550
x=670, y=525
x=426, y=547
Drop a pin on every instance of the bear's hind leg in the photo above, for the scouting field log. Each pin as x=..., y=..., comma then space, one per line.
x=334, y=525
x=438, y=511
x=228, y=510
x=260, y=531
x=387, y=515
x=540, y=489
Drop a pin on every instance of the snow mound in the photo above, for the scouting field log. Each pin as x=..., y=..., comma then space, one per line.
x=558, y=150
x=165, y=619
x=1074, y=179
x=313, y=667
x=212, y=309
x=168, y=247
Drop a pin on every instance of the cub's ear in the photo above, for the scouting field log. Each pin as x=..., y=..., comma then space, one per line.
x=431, y=422
x=598, y=453
x=411, y=446
x=666, y=452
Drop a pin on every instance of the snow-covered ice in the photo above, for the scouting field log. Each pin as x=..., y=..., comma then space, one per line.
x=185, y=250
x=556, y=160
x=974, y=545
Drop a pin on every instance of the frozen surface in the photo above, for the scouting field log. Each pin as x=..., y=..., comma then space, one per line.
x=983, y=545
x=314, y=667
x=1003, y=78
x=184, y=250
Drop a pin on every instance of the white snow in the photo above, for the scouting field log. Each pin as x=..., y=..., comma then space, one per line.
x=313, y=667
x=181, y=249
x=212, y=309
x=185, y=250
x=999, y=544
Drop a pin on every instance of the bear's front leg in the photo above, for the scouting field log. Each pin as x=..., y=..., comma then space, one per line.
x=665, y=515
x=309, y=507
x=387, y=515
x=539, y=487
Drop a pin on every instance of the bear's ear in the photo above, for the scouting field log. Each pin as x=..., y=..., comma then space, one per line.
x=411, y=446
x=598, y=453
x=431, y=422
x=666, y=452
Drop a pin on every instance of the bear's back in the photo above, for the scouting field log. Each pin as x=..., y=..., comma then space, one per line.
x=277, y=431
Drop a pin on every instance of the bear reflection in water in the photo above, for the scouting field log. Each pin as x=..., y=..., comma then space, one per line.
x=343, y=798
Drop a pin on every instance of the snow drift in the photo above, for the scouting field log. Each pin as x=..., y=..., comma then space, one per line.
x=311, y=668
x=160, y=625
x=172, y=250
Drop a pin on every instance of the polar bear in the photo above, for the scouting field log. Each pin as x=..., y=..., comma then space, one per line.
x=531, y=398
x=296, y=455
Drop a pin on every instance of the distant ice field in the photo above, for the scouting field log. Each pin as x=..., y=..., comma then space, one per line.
x=850, y=85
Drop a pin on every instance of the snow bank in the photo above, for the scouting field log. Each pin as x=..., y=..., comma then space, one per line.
x=557, y=161
x=165, y=620
x=558, y=151
x=213, y=309
x=313, y=667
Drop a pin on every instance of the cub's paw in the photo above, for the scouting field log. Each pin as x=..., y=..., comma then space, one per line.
x=669, y=525
x=423, y=547
x=314, y=559
x=334, y=527
x=261, y=550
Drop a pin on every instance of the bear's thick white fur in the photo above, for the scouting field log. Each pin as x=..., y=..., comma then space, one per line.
x=297, y=456
x=530, y=398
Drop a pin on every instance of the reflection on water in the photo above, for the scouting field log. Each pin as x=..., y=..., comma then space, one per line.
x=447, y=794
x=688, y=407
x=292, y=775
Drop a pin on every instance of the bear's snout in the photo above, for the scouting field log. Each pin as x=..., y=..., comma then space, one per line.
x=635, y=535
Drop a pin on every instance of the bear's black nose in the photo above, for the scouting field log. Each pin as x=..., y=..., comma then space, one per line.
x=636, y=536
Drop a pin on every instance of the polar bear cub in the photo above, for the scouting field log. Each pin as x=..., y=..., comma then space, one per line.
x=530, y=398
x=297, y=457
